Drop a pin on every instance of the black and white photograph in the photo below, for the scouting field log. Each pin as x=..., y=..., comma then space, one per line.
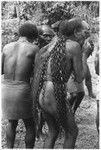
x=50, y=80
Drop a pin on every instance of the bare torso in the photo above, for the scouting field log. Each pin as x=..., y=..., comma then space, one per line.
x=19, y=60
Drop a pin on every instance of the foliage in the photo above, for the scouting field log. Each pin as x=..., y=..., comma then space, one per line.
x=45, y=12
x=8, y=28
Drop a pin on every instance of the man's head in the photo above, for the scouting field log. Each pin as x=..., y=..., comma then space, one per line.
x=29, y=31
x=46, y=33
x=83, y=32
x=75, y=27
x=67, y=27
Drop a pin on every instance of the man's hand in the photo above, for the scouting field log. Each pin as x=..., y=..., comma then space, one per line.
x=88, y=47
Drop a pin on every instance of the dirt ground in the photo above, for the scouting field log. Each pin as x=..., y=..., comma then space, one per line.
x=85, y=119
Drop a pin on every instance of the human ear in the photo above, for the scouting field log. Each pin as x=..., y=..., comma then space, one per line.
x=77, y=33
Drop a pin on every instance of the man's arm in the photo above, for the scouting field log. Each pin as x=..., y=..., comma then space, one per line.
x=77, y=64
x=84, y=62
x=87, y=50
x=88, y=47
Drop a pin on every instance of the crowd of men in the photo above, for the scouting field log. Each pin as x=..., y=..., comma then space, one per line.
x=44, y=69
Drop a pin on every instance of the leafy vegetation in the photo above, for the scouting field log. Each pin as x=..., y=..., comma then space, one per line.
x=15, y=13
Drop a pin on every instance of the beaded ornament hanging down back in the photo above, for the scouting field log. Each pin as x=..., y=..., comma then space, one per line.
x=58, y=74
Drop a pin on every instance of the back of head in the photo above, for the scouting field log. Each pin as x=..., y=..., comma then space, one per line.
x=67, y=27
x=28, y=30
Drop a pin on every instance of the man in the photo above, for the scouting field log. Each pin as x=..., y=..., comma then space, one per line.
x=75, y=89
x=55, y=63
x=88, y=77
x=88, y=81
x=17, y=66
x=88, y=44
x=45, y=35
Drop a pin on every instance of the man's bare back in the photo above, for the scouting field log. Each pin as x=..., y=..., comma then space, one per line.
x=19, y=60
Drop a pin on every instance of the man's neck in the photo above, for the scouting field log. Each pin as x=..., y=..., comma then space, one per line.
x=72, y=37
x=25, y=39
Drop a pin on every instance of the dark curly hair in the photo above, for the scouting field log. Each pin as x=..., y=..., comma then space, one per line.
x=67, y=27
x=28, y=30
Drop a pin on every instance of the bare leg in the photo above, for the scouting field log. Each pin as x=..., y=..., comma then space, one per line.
x=30, y=132
x=71, y=131
x=52, y=133
x=11, y=132
x=88, y=83
x=72, y=99
x=77, y=101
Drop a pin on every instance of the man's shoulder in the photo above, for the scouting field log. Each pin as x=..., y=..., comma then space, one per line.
x=73, y=46
x=8, y=46
x=32, y=46
x=72, y=43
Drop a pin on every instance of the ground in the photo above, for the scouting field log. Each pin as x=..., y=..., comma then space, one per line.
x=85, y=119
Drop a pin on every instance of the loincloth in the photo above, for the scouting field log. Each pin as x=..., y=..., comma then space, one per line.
x=16, y=100
x=73, y=86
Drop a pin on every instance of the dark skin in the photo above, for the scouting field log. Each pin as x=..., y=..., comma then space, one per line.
x=88, y=81
x=73, y=53
x=44, y=39
x=77, y=98
x=17, y=64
